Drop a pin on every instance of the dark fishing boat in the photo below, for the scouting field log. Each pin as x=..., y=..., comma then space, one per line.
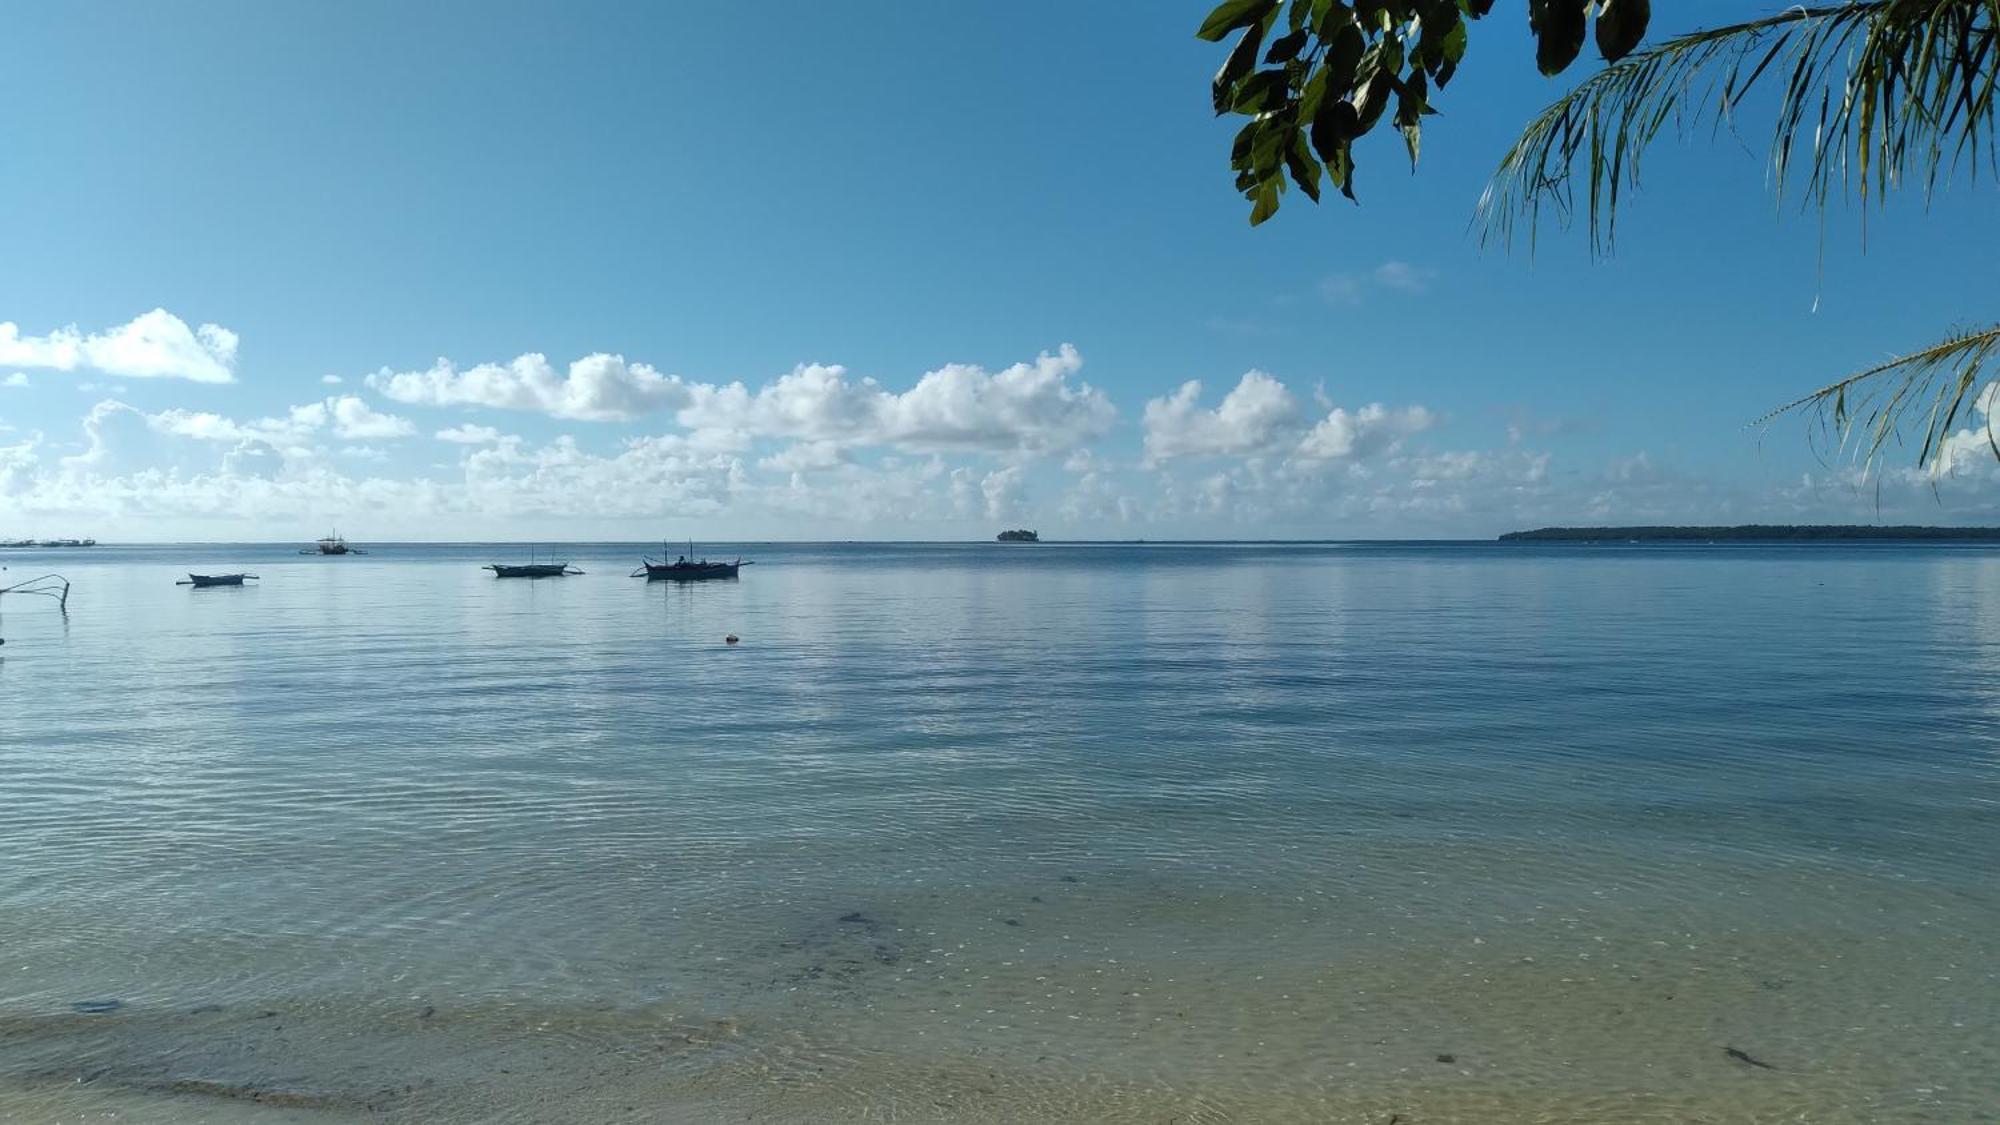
x=215, y=580
x=686, y=568
x=530, y=570
x=332, y=545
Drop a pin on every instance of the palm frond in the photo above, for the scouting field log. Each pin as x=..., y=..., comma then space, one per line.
x=1874, y=93
x=1863, y=412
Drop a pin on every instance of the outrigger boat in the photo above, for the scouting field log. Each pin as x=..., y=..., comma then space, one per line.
x=530, y=569
x=686, y=568
x=215, y=580
x=332, y=545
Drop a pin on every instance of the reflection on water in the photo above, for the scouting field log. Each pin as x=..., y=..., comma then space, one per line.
x=1079, y=833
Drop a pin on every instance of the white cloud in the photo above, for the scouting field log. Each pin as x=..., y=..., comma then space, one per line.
x=1252, y=418
x=154, y=345
x=1404, y=277
x=1361, y=433
x=355, y=420
x=1028, y=407
x=331, y=380
x=596, y=388
x=350, y=419
x=1002, y=489
x=805, y=456
x=469, y=435
x=17, y=379
x=1351, y=288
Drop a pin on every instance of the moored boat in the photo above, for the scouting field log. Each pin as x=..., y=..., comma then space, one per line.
x=686, y=568
x=332, y=544
x=215, y=580
x=530, y=570
x=682, y=570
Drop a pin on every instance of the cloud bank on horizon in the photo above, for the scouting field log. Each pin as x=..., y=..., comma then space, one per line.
x=820, y=452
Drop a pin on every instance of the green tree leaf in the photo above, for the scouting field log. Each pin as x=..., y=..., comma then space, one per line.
x=1264, y=201
x=1559, y=26
x=1621, y=25
x=1262, y=92
x=1300, y=163
x=1286, y=47
x=1239, y=63
x=1334, y=128
x=1232, y=14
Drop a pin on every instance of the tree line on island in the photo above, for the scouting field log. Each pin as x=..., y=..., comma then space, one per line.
x=1749, y=532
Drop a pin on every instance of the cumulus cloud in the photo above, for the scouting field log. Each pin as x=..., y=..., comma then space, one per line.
x=355, y=420
x=469, y=435
x=349, y=417
x=154, y=345
x=331, y=380
x=596, y=388
x=1028, y=407
x=1031, y=407
x=1372, y=429
x=1262, y=417
x=805, y=456
x=1252, y=418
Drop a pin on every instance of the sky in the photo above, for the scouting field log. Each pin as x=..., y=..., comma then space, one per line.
x=871, y=270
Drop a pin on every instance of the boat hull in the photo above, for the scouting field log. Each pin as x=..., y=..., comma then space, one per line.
x=689, y=572
x=529, y=570
x=216, y=579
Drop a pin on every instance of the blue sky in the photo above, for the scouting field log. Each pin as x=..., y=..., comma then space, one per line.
x=755, y=194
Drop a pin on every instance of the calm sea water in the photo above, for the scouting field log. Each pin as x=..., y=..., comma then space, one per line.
x=1192, y=833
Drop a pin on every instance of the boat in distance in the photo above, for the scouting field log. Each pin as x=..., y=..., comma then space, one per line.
x=215, y=580
x=686, y=568
x=333, y=544
x=682, y=570
x=530, y=570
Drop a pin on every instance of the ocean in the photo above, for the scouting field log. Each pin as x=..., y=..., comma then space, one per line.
x=1344, y=832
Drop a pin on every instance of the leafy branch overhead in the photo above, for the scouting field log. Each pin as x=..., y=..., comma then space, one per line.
x=1869, y=96
x=1338, y=68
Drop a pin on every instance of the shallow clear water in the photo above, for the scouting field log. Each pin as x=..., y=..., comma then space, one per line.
x=1195, y=832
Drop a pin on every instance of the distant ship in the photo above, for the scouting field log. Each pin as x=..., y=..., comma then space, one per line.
x=48, y=542
x=333, y=544
x=1019, y=535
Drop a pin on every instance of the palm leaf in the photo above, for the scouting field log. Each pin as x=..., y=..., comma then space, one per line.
x=1864, y=412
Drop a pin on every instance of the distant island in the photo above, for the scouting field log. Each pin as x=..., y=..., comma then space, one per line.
x=1019, y=535
x=1758, y=532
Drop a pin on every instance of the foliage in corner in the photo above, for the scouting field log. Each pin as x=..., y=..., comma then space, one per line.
x=1870, y=97
x=1338, y=68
